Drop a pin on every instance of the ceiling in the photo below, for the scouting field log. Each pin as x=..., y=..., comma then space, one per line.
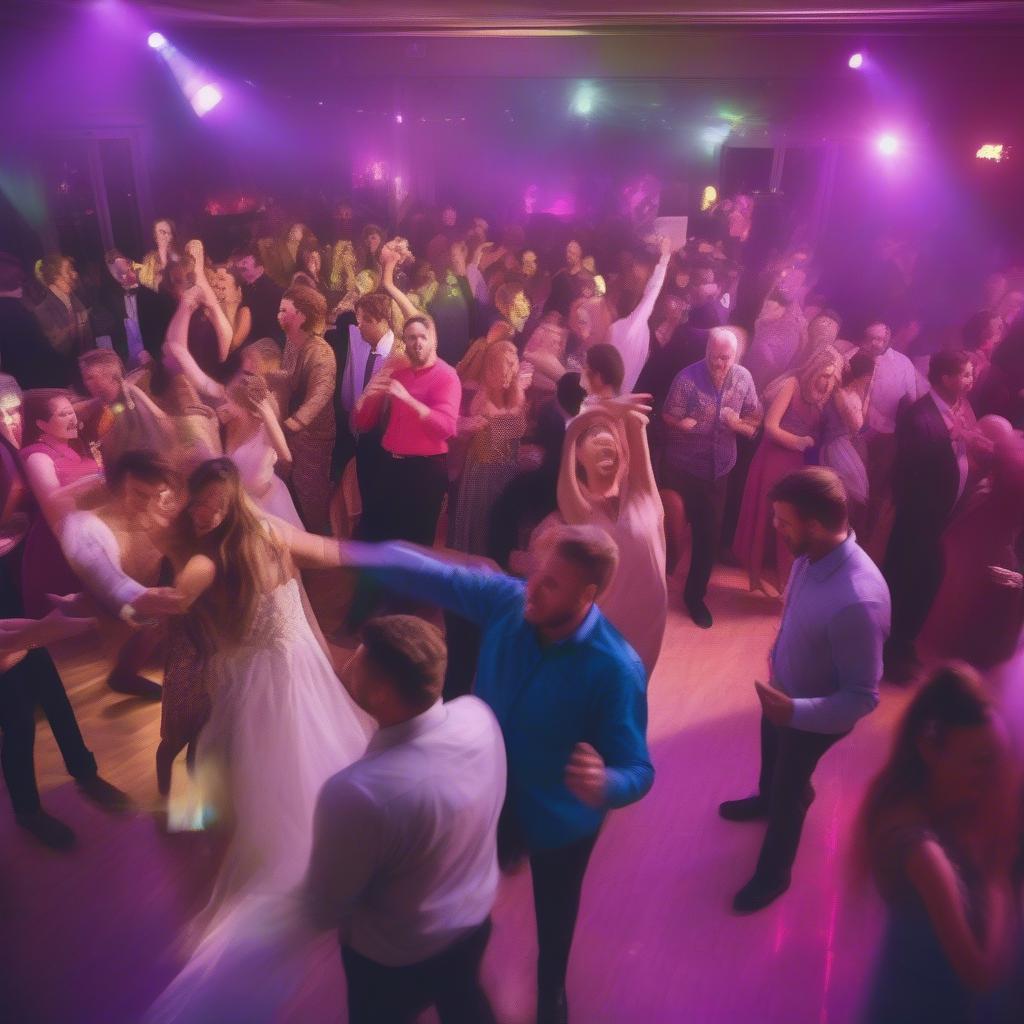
x=533, y=17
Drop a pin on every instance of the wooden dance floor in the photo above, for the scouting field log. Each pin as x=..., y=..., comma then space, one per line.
x=90, y=936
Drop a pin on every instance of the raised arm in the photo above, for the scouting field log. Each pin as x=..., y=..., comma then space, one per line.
x=221, y=324
x=139, y=397
x=388, y=261
x=573, y=504
x=243, y=326
x=176, y=346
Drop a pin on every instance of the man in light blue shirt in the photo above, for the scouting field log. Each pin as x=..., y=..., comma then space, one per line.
x=826, y=665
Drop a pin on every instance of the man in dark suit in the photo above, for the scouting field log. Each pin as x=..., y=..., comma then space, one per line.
x=24, y=351
x=929, y=481
x=134, y=318
x=260, y=294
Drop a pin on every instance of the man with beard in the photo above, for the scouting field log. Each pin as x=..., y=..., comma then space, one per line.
x=404, y=501
x=825, y=667
x=570, y=696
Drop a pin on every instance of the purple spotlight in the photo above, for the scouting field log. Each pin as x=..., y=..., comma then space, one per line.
x=206, y=98
x=888, y=144
x=399, y=119
x=156, y=40
x=856, y=61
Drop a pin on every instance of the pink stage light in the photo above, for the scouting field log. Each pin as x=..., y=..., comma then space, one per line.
x=856, y=61
x=205, y=98
x=156, y=40
x=888, y=144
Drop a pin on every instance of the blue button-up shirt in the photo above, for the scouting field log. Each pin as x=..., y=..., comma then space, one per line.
x=709, y=450
x=828, y=652
x=588, y=688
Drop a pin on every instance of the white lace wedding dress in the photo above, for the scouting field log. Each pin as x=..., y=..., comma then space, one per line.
x=281, y=724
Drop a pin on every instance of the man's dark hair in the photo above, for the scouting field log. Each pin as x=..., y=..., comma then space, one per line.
x=376, y=306
x=111, y=256
x=816, y=493
x=245, y=252
x=606, y=361
x=412, y=655
x=142, y=464
x=946, y=363
x=569, y=393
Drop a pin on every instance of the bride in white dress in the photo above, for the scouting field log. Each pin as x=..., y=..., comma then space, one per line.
x=281, y=725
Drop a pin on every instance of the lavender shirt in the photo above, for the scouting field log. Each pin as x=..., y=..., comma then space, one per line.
x=828, y=652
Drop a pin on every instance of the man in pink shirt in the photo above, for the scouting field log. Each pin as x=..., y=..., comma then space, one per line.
x=423, y=400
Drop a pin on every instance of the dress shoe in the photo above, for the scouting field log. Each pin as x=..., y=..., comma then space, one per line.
x=756, y=895
x=553, y=1009
x=699, y=613
x=750, y=808
x=104, y=795
x=47, y=829
x=134, y=686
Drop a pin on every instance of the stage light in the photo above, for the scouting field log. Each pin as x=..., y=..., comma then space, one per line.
x=708, y=197
x=205, y=98
x=856, y=61
x=888, y=144
x=584, y=100
x=157, y=40
x=991, y=151
x=398, y=119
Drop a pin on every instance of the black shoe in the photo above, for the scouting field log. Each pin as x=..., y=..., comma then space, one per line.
x=103, y=794
x=750, y=808
x=699, y=613
x=756, y=895
x=134, y=686
x=553, y=1009
x=47, y=829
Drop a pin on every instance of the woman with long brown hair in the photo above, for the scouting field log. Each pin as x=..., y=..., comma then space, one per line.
x=495, y=424
x=938, y=832
x=280, y=723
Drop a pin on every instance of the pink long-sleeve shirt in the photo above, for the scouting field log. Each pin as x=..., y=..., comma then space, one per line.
x=438, y=387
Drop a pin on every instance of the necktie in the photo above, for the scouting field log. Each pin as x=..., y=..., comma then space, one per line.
x=371, y=364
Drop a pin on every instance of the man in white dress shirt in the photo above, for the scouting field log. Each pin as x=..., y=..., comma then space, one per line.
x=896, y=382
x=404, y=859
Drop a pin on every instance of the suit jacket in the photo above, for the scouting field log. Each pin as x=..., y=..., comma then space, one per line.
x=24, y=351
x=155, y=311
x=263, y=297
x=926, y=477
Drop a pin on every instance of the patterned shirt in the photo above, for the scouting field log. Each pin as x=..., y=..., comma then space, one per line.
x=709, y=450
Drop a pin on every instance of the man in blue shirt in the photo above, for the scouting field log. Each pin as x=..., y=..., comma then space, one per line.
x=826, y=665
x=708, y=405
x=570, y=696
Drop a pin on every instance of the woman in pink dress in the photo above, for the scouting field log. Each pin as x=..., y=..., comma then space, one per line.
x=792, y=426
x=60, y=480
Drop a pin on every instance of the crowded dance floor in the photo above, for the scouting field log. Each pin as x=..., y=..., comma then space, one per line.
x=511, y=515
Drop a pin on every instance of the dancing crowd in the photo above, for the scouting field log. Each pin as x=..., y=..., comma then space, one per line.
x=513, y=445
